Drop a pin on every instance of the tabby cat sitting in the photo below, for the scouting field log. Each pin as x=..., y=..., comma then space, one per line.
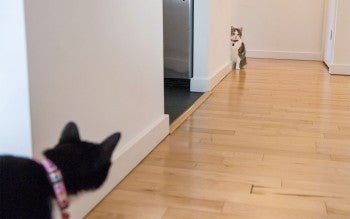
x=238, y=52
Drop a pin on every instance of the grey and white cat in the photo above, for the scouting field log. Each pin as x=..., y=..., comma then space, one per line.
x=238, y=51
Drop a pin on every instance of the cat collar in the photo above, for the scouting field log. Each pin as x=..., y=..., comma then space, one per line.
x=56, y=179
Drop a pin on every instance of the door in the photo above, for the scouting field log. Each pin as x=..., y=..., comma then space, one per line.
x=332, y=6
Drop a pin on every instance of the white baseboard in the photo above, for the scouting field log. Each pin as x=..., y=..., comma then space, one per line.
x=200, y=85
x=339, y=69
x=284, y=55
x=124, y=162
x=207, y=84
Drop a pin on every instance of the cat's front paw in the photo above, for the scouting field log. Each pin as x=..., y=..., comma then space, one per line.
x=238, y=68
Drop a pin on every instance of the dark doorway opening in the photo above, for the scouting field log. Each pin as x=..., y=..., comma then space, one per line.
x=178, y=97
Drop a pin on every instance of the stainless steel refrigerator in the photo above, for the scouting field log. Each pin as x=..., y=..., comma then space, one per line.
x=178, y=38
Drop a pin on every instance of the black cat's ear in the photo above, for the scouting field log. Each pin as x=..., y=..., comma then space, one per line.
x=108, y=146
x=70, y=134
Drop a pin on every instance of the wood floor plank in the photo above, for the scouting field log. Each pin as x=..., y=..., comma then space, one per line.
x=265, y=181
x=172, y=213
x=338, y=207
x=190, y=187
x=261, y=211
x=271, y=141
x=157, y=199
x=126, y=209
x=275, y=202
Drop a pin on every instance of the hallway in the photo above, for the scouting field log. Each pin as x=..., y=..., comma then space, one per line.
x=272, y=141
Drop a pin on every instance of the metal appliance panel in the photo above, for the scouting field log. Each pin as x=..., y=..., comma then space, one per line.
x=178, y=38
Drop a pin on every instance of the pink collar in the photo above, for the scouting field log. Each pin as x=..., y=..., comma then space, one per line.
x=56, y=179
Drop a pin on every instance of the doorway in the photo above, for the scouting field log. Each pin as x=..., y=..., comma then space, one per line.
x=178, y=97
x=178, y=57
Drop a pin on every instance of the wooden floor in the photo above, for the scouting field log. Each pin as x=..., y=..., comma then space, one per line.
x=272, y=141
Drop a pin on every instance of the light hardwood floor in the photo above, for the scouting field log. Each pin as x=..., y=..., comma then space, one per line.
x=272, y=141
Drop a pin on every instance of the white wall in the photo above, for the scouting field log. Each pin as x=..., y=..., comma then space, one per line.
x=342, y=36
x=100, y=65
x=212, y=28
x=201, y=39
x=220, y=15
x=288, y=29
x=15, y=135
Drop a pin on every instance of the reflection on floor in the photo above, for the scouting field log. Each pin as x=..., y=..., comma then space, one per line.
x=170, y=74
x=177, y=97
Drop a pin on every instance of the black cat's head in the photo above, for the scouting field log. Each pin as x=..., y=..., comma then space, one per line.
x=84, y=165
x=236, y=34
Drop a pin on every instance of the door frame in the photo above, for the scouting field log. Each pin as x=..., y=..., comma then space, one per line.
x=330, y=31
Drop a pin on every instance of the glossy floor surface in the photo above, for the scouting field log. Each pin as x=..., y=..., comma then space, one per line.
x=177, y=99
x=272, y=141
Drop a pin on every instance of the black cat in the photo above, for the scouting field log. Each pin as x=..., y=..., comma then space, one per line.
x=25, y=189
